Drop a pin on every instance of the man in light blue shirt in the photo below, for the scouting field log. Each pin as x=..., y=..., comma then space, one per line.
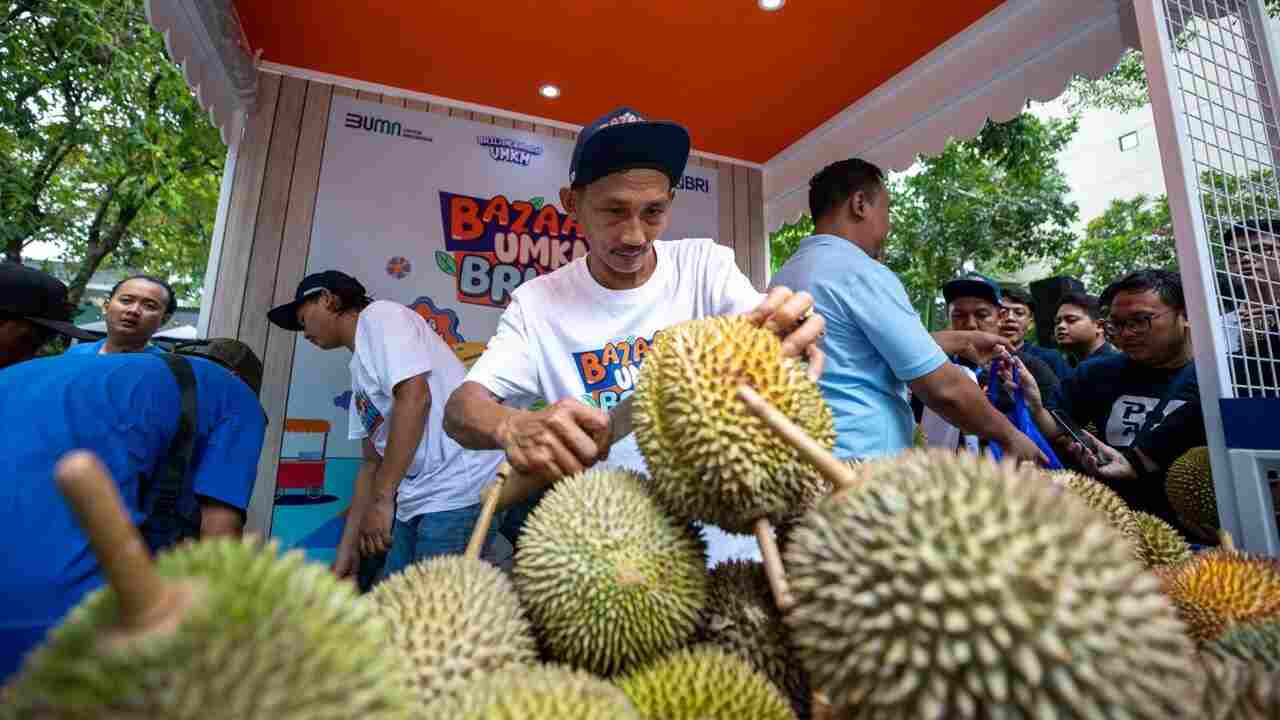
x=875, y=345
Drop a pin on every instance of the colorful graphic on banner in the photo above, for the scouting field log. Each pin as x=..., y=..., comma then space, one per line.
x=493, y=245
x=610, y=373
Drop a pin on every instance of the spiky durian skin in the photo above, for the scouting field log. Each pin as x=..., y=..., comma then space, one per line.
x=1161, y=543
x=609, y=580
x=710, y=459
x=269, y=637
x=1103, y=499
x=1229, y=689
x=704, y=683
x=1257, y=643
x=455, y=618
x=1189, y=486
x=1218, y=589
x=741, y=617
x=535, y=692
x=950, y=587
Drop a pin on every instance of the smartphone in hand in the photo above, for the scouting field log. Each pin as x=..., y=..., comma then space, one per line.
x=1072, y=429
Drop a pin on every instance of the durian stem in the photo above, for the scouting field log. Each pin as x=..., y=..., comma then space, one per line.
x=1226, y=541
x=145, y=598
x=836, y=472
x=773, y=569
x=476, y=544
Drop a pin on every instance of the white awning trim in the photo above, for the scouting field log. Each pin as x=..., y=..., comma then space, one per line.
x=1023, y=50
x=205, y=39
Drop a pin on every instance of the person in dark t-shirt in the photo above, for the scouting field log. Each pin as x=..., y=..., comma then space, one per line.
x=1017, y=315
x=1145, y=402
x=1078, y=329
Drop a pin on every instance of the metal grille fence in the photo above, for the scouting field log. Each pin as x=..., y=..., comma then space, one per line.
x=1221, y=78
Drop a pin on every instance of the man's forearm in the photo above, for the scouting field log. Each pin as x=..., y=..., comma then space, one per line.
x=952, y=342
x=408, y=423
x=968, y=409
x=361, y=497
x=473, y=415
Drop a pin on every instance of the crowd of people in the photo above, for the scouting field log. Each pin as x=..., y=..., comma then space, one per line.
x=182, y=432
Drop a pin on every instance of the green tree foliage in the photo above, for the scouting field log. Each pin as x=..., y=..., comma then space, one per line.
x=998, y=201
x=1131, y=234
x=103, y=149
x=1138, y=232
x=1124, y=89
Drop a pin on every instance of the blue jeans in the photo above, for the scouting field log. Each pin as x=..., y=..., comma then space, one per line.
x=433, y=534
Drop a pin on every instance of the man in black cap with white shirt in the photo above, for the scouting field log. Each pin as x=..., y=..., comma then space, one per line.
x=576, y=337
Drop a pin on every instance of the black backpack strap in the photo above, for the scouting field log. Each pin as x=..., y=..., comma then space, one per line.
x=164, y=525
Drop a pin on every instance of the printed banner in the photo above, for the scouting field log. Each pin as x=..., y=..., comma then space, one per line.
x=449, y=217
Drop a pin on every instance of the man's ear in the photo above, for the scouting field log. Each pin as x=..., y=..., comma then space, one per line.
x=569, y=201
x=858, y=205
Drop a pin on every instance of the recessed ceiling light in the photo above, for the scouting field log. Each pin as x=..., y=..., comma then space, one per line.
x=771, y=5
x=549, y=91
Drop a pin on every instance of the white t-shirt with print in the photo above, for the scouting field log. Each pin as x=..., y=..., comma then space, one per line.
x=565, y=335
x=394, y=343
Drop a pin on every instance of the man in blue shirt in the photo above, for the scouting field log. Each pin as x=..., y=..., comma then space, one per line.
x=136, y=309
x=875, y=345
x=33, y=308
x=126, y=409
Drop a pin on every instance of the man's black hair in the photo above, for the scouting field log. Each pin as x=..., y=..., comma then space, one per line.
x=173, y=299
x=835, y=183
x=1164, y=283
x=350, y=297
x=1018, y=295
x=1087, y=303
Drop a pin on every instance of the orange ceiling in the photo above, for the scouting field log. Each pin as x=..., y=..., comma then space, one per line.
x=747, y=83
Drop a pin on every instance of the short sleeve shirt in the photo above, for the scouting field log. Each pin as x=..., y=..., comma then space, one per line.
x=875, y=343
x=394, y=343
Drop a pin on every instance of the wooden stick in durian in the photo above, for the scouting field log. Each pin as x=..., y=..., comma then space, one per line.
x=828, y=465
x=492, y=496
x=148, y=603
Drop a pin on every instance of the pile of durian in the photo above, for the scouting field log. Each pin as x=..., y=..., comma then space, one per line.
x=932, y=585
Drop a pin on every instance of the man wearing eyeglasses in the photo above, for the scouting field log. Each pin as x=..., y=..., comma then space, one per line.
x=1146, y=401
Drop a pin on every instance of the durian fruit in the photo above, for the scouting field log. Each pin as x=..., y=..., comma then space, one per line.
x=267, y=636
x=742, y=618
x=608, y=579
x=711, y=459
x=1220, y=588
x=1189, y=486
x=1100, y=498
x=535, y=692
x=455, y=618
x=952, y=587
x=704, y=683
x=1228, y=689
x=1251, y=642
x=1161, y=543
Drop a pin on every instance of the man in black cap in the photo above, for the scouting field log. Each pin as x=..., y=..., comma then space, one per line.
x=179, y=433
x=576, y=337
x=417, y=493
x=33, y=308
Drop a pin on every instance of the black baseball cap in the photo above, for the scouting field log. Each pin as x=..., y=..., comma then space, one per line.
x=231, y=354
x=624, y=140
x=39, y=298
x=286, y=316
x=972, y=285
